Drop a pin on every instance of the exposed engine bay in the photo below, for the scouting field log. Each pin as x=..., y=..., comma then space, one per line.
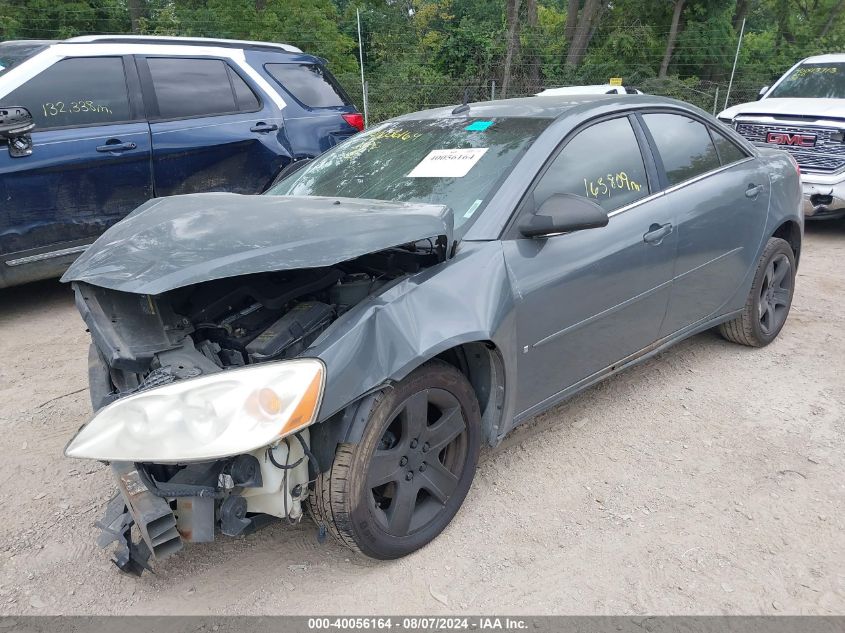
x=143, y=341
x=146, y=341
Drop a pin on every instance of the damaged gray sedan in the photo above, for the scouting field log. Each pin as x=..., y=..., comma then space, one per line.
x=346, y=342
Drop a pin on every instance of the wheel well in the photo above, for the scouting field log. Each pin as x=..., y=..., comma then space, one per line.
x=482, y=364
x=791, y=232
x=480, y=361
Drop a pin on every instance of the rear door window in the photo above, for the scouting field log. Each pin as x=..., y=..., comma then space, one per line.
x=603, y=163
x=76, y=91
x=198, y=87
x=310, y=84
x=684, y=145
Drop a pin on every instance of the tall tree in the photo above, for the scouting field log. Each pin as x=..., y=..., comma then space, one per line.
x=512, y=49
x=835, y=12
x=673, y=37
x=136, y=12
x=740, y=13
x=587, y=22
x=533, y=58
x=571, y=20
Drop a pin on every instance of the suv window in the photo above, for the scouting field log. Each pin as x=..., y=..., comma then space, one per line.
x=198, y=87
x=246, y=98
x=602, y=163
x=310, y=84
x=684, y=145
x=76, y=91
x=728, y=151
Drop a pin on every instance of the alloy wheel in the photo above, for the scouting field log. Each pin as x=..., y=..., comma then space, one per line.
x=418, y=462
x=775, y=294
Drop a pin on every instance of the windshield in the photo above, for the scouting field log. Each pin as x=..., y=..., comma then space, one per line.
x=456, y=162
x=813, y=81
x=13, y=53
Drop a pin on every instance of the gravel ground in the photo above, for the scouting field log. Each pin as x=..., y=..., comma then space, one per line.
x=707, y=480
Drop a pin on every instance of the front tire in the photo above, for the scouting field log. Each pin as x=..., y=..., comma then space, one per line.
x=768, y=303
x=401, y=485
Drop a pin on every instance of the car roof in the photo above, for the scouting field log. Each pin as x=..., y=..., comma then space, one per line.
x=29, y=42
x=572, y=90
x=184, y=41
x=821, y=59
x=548, y=107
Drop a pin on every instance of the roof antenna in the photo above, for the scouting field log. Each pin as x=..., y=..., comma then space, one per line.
x=464, y=107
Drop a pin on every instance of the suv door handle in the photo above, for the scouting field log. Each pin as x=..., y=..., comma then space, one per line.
x=116, y=146
x=264, y=127
x=753, y=191
x=656, y=233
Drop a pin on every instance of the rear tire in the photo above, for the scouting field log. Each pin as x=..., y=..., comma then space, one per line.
x=401, y=485
x=769, y=300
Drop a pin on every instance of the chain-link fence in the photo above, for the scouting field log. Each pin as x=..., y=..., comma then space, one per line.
x=389, y=99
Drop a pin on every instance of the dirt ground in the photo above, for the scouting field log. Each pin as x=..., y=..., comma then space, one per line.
x=711, y=479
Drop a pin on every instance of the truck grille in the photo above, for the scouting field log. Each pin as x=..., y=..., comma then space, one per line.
x=828, y=155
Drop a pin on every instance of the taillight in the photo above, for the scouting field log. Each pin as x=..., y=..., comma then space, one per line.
x=356, y=120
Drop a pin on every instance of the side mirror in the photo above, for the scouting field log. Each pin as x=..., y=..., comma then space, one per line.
x=15, y=121
x=763, y=91
x=15, y=124
x=564, y=213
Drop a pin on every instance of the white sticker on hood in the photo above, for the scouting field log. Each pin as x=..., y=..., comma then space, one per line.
x=447, y=163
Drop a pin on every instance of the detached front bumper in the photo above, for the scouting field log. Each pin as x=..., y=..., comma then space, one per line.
x=179, y=505
x=824, y=196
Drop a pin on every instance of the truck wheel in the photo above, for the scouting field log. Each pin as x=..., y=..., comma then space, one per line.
x=400, y=486
x=770, y=298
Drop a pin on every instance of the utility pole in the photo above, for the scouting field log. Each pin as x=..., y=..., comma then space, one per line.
x=736, y=57
x=361, y=60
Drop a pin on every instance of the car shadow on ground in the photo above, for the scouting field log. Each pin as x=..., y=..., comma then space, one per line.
x=37, y=296
x=825, y=227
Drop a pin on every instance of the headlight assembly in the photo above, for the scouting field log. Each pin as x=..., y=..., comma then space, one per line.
x=210, y=417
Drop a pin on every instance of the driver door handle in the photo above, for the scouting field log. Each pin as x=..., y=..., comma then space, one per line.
x=656, y=233
x=116, y=147
x=264, y=127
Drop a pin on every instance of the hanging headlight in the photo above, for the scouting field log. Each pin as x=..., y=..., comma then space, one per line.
x=214, y=416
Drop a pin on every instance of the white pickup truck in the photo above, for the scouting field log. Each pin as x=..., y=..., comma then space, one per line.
x=804, y=113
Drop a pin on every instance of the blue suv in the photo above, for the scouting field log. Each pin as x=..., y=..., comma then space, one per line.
x=121, y=119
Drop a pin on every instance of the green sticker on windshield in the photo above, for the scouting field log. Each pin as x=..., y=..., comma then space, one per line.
x=478, y=126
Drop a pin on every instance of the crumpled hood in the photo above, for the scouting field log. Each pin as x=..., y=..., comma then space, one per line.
x=172, y=242
x=821, y=108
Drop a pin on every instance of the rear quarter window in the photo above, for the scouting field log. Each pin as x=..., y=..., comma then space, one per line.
x=728, y=151
x=310, y=84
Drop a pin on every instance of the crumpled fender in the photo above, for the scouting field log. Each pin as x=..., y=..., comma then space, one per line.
x=385, y=337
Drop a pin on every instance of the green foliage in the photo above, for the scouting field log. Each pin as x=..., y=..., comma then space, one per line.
x=54, y=19
x=421, y=53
